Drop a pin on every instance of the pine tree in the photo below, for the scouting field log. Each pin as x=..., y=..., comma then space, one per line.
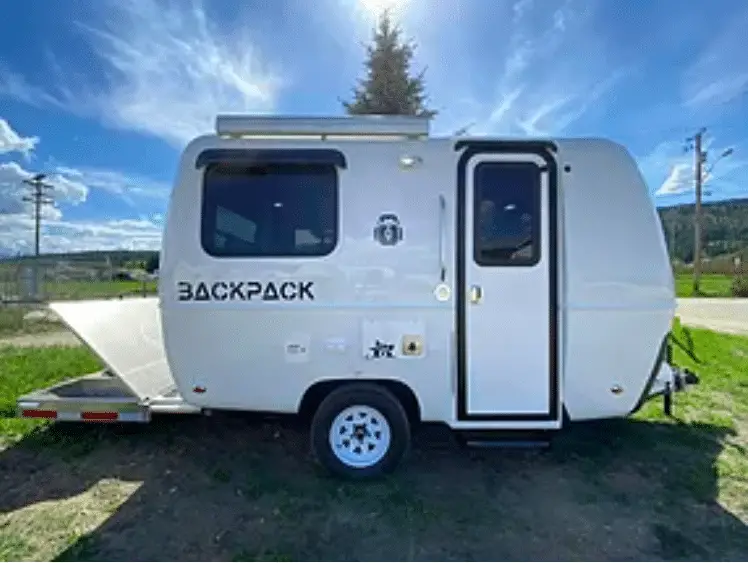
x=388, y=89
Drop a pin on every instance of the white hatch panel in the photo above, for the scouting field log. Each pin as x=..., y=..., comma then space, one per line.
x=126, y=335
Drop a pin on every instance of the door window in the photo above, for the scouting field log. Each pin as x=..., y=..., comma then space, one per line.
x=506, y=214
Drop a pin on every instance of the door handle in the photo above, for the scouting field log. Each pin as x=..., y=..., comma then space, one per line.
x=476, y=294
x=442, y=222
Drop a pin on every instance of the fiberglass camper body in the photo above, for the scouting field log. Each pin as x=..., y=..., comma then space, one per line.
x=363, y=273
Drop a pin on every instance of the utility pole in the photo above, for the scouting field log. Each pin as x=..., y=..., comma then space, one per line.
x=699, y=158
x=671, y=239
x=698, y=162
x=39, y=197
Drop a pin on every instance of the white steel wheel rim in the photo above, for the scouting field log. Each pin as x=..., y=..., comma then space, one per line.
x=360, y=436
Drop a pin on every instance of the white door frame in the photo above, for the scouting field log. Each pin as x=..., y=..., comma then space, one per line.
x=543, y=154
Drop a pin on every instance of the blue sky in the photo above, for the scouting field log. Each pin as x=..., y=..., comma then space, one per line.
x=103, y=95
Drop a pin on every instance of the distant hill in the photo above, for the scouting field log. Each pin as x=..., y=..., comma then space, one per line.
x=724, y=227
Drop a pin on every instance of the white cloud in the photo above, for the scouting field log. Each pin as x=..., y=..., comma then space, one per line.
x=128, y=187
x=13, y=190
x=671, y=168
x=14, y=85
x=719, y=75
x=17, y=235
x=721, y=90
x=68, y=190
x=170, y=72
x=167, y=71
x=10, y=141
x=71, y=187
x=679, y=181
x=556, y=69
x=130, y=234
x=520, y=7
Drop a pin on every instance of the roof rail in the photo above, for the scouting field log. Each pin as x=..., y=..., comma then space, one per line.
x=238, y=125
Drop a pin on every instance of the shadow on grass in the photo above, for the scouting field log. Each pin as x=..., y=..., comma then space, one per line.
x=242, y=488
x=687, y=346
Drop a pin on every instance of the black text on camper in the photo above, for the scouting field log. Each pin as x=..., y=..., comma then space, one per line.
x=245, y=291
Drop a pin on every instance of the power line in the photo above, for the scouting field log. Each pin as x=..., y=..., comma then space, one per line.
x=40, y=196
x=463, y=130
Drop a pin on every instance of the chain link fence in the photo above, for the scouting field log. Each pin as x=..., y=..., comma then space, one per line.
x=56, y=279
x=735, y=264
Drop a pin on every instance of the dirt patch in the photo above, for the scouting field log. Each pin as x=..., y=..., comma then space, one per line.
x=237, y=487
x=42, y=339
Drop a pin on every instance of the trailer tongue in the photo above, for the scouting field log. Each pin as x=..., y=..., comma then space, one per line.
x=136, y=381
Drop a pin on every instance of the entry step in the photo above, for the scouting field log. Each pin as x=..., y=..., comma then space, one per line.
x=518, y=439
x=501, y=444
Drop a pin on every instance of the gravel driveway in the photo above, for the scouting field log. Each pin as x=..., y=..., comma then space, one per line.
x=724, y=315
x=40, y=339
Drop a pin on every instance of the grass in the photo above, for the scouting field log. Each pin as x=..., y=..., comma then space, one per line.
x=232, y=488
x=23, y=370
x=711, y=285
x=719, y=402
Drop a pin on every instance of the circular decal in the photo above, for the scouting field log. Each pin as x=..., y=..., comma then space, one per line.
x=388, y=230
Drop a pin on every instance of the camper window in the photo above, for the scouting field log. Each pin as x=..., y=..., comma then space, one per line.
x=280, y=210
x=506, y=214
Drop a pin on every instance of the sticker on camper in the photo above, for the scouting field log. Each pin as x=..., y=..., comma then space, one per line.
x=381, y=350
x=245, y=291
x=393, y=339
x=388, y=231
x=296, y=348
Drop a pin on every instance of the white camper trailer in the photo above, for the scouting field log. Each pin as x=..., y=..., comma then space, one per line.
x=370, y=276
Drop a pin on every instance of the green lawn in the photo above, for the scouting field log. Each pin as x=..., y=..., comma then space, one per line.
x=237, y=488
x=24, y=369
x=711, y=285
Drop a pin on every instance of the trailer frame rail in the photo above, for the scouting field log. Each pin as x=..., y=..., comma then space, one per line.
x=98, y=397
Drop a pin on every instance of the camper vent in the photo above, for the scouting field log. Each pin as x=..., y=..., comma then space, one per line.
x=314, y=126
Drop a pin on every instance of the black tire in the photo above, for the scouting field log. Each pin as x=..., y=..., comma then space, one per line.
x=368, y=395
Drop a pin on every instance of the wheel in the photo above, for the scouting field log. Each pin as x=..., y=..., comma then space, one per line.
x=360, y=431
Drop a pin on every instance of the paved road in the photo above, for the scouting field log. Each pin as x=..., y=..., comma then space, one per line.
x=724, y=315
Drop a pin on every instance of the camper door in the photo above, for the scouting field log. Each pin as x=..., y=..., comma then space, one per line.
x=507, y=280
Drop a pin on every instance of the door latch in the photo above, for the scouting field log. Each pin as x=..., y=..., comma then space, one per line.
x=476, y=294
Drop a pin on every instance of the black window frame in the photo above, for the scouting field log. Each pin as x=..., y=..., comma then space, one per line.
x=277, y=163
x=536, y=221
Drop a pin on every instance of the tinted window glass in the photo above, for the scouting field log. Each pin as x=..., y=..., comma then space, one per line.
x=275, y=210
x=506, y=214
